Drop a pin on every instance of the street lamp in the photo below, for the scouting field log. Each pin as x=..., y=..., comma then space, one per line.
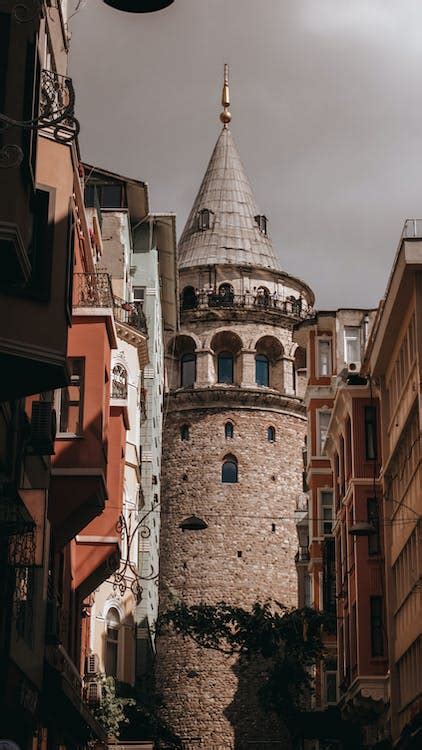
x=139, y=6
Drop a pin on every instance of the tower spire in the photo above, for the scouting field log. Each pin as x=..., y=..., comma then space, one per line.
x=225, y=116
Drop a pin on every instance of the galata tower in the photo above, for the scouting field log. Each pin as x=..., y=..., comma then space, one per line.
x=232, y=463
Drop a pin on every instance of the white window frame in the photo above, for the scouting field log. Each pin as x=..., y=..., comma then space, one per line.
x=58, y=404
x=137, y=298
x=321, y=492
x=324, y=340
x=348, y=338
x=320, y=443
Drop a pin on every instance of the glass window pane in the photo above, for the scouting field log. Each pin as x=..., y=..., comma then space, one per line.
x=352, y=344
x=225, y=367
x=188, y=369
x=324, y=364
x=229, y=472
x=111, y=196
x=262, y=370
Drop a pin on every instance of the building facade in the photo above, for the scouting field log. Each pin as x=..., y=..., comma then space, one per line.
x=393, y=362
x=233, y=433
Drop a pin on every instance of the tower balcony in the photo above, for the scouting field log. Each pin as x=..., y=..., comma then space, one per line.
x=204, y=304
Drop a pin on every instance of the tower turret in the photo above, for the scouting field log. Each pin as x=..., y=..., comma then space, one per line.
x=232, y=456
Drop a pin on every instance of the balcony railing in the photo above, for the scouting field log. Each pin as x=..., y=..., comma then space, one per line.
x=57, y=104
x=92, y=290
x=130, y=313
x=295, y=307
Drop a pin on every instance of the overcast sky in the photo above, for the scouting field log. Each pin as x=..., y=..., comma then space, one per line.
x=327, y=116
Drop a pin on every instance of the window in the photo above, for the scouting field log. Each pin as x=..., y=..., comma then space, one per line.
x=373, y=519
x=377, y=635
x=188, y=369
x=262, y=370
x=138, y=294
x=324, y=358
x=271, y=434
x=70, y=400
x=106, y=196
x=229, y=470
x=323, y=422
x=326, y=512
x=184, y=432
x=204, y=219
x=112, y=642
x=351, y=344
x=370, y=433
x=226, y=292
x=119, y=382
x=189, y=298
x=331, y=681
x=225, y=367
x=228, y=430
x=262, y=222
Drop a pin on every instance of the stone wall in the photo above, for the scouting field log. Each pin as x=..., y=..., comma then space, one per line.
x=246, y=554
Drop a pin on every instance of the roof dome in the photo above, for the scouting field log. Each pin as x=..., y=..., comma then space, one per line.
x=224, y=225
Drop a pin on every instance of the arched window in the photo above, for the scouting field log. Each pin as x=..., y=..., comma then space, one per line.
x=225, y=367
x=188, y=369
x=119, y=382
x=271, y=434
x=262, y=370
x=229, y=470
x=204, y=219
x=189, y=298
x=112, y=642
x=228, y=430
x=184, y=432
x=262, y=222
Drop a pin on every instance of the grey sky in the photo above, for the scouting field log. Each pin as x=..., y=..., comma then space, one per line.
x=327, y=112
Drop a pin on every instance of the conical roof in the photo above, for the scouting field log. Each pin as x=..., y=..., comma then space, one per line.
x=234, y=235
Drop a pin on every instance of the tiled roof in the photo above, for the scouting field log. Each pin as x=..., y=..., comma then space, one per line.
x=234, y=235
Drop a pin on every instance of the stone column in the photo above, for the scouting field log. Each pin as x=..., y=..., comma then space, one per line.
x=288, y=379
x=247, y=358
x=205, y=374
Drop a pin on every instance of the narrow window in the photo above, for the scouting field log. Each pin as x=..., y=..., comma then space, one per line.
x=184, y=432
x=323, y=422
x=188, y=369
x=262, y=370
x=324, y=358
x=119, y=382
x=326, y=512
x=351, y=344
x=204, y=219
x=331, y=681
x=377, y=636
x=229, y=470
x=189, y=298
x=70, y=400
x=373, y=518
x=370, y=433
x=228, y=430
x=112, y=642
x=139, y=294
x=225, y=367
x=262, y=222
x=271, y=434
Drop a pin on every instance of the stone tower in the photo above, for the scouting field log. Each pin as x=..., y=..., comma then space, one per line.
x=233, y=436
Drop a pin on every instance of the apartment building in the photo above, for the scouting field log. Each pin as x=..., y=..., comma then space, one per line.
x=334, y=341
x=393, y=362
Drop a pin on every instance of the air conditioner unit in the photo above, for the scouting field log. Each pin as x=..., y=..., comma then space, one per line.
x=52, y=625
x=92, y=664
x=43, y=429
x=93, y=693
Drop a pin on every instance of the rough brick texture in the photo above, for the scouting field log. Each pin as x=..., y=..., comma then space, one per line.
x=209, y=700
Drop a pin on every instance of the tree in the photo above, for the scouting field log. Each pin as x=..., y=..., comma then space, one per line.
x=287, y=641
x=111, y=712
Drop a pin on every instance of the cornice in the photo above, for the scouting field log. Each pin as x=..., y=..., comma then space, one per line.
x=234, y=397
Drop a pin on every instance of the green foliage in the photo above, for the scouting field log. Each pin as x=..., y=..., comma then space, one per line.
x=287, y=641
x=111, y=713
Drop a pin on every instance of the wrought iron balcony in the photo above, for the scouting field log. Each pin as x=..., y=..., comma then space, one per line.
x=294, y=307
x=92, y=290
x=57, y=105
x=130, y=313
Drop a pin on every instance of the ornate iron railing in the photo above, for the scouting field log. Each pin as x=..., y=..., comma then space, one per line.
x=92, y=290
x=130, y=313
x=295, y=307
x=57, y=106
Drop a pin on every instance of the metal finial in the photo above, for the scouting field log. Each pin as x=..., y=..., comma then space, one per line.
x=225, y=116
